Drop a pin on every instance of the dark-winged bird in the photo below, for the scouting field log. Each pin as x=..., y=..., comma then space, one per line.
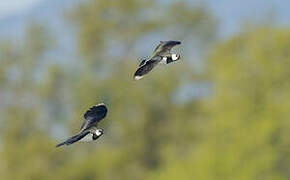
x=89, y=127
x=160, y=54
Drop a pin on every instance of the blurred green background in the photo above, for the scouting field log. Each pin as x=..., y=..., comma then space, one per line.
x=222, y=112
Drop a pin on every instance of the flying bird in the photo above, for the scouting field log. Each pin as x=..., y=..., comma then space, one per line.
x=89, y=127
x=160, y=54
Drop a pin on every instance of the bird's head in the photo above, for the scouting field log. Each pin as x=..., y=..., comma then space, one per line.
x=99, y=132
x=175, y=57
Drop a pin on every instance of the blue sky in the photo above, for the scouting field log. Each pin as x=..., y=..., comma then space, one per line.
x=231, y=13
x=9, y=7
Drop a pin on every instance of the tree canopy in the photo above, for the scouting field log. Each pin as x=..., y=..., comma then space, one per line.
x=238, y=131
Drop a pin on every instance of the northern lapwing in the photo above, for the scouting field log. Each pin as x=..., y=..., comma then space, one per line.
x=89, y=127
x=160, y=54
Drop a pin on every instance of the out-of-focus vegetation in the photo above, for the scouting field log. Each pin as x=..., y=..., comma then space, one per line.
x=245, y=134
x=240, y=131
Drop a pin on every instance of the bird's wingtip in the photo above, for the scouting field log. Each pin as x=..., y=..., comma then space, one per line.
x=60, y=144
x=138, y=77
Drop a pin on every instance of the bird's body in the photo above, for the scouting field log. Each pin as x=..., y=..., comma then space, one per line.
x=160, y=54
x=89, y=130
x=92, y=137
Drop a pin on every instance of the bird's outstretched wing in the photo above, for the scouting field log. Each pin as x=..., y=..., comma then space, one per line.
x=142, y=62
x=74, y=139
x=145, y=68
x=164, y=48
x=94, y=115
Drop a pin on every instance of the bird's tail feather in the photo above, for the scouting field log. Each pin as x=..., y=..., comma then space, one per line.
x=74, y=139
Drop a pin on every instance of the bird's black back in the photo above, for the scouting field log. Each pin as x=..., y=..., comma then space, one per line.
x=94, y=115
x=97, y=112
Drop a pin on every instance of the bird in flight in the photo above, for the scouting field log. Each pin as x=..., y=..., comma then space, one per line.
x=89, y=127
x=160, y=54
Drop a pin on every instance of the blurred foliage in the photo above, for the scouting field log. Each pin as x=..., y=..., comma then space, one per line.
x=247, y=130
x=240, y=131
x=121, y=26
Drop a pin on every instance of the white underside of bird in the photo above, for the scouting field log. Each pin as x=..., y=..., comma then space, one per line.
x=174, y=57
x=89, y=137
